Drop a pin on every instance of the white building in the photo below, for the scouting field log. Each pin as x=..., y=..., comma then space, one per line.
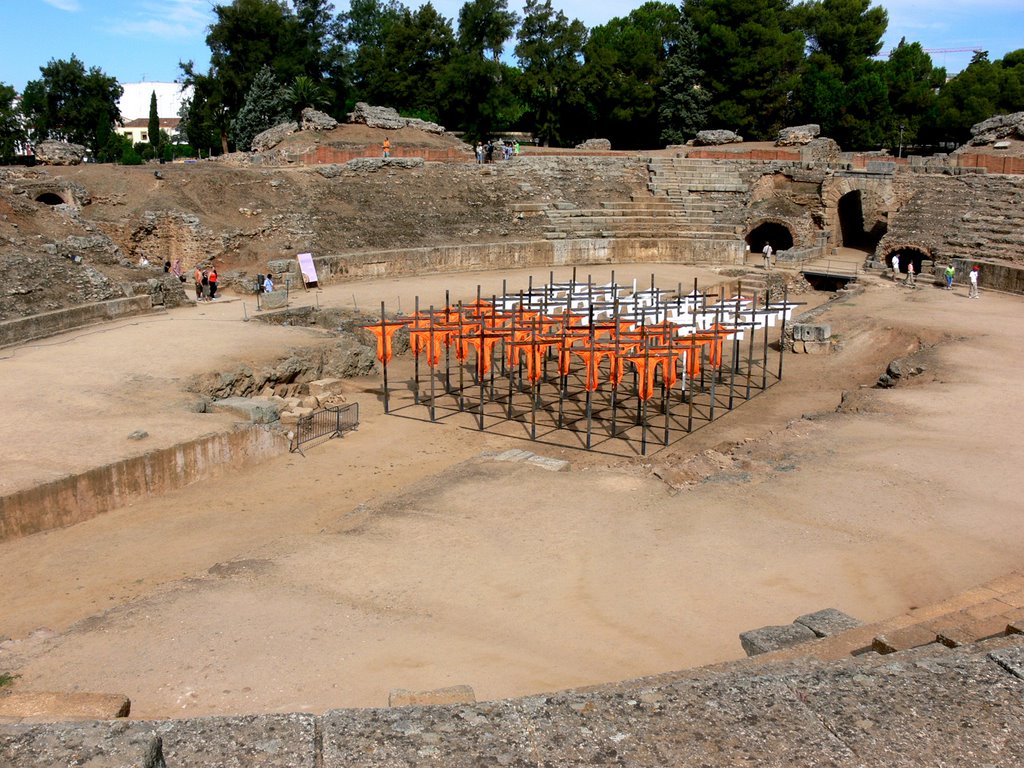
x=134, y=106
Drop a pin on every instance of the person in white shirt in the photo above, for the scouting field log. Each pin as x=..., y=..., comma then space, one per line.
x=767, y=251
x=972, y=293
x=895, y=267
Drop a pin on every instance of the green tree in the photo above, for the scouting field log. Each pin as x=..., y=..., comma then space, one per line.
x=839, y=83
x=683, y=109
x=624, y=70
x=302, y=93
x=750, y=52
x=71, y=104
x=417, y=50
x=549, y=48
x=265, y=106
x=477, y=89
x=980, y=91
x=912, y=83
x=365, y=28
x=154, y=123
x=204, y=117
x=12, y=133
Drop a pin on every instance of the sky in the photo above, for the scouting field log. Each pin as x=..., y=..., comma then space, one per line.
x=143, y=40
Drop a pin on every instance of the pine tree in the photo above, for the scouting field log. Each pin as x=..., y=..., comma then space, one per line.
x=263, y=108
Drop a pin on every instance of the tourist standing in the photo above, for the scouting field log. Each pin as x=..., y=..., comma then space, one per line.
x=213, y=282
x=387, y=147
x=206, y=285
x=895, y=267
x=515, y=148
x=479, y=153
x=767, y=253
x=972, y=293
x=268, y=284
x=910, y=275
x=948, y=274
x=198, y=277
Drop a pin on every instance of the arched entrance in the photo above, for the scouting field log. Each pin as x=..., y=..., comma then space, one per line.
x=772, y=232
x=855, y=231
x=50, y=198
x=909, y=254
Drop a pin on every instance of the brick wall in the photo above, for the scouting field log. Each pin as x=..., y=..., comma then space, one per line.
x=992, y=163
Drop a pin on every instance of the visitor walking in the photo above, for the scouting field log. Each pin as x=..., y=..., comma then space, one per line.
x=910, y=275
x=948, y=274
x=895, y=267
x=213, y=283
x=767, y=253
x=387, y=147
x=972, y=293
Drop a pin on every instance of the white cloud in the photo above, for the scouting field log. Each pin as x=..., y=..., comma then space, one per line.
x=65, y=5
x=170, y=20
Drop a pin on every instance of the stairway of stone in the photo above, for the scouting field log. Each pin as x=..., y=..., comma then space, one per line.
x=975, y=217
x=698, y=199
x=995, y=609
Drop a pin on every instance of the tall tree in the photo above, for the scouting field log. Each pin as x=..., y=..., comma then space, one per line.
x=913, y=83
x=263, y=108
x=624, y=70
x=366, y=26
x=549, y=51
x=154, y=123
x=71, y=103
x=477, y=88
x=839, y=84
x=12, y=132
x=980, y=91
x=417, y=49
x=683, y=109
x=750, y=52
x=485, y=26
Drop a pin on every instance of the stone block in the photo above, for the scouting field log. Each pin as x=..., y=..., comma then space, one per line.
x=961, y=629
x=772, y=638
x=257, y=410
x=817, y=347
x=95, y=744
x=812, y=331
x=1010, y=659
x=827, y=622
x=44, y=705
x=913, y=636
x=455, y=694
x=324, y=387
x=275, y=300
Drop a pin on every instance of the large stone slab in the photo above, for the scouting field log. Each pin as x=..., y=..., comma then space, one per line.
x=97, y=744
x=766, y=639
x=827, y=622
x=258, y=410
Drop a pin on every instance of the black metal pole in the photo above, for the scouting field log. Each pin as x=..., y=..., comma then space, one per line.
x=384, y=355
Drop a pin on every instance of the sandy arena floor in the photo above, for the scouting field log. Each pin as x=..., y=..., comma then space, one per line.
x=399, y=557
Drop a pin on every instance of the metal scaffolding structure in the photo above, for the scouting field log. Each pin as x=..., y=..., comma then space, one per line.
x=593, y=366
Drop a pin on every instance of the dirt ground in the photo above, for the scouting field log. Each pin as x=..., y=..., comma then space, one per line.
x=401, y=556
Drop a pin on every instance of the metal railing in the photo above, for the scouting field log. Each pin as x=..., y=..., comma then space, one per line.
x=333, y=421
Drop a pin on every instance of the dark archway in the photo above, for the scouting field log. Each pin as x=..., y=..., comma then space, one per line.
x=50, y=198
x=778, y=235
x=908, y=255
x=853, y=230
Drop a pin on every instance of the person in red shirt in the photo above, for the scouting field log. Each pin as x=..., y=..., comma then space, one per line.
x=213, y=282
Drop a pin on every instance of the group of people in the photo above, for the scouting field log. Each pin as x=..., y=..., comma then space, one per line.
x=206, y=282
x=485, y=152
x=947, y=275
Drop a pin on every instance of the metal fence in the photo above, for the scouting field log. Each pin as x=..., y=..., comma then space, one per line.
x=333, y=421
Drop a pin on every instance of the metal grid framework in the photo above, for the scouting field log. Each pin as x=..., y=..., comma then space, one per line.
x=325, y=423
x=594, y=366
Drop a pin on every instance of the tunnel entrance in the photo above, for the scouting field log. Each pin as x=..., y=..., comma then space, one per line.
x=777, y=235
x=908, y=255
x=50, y=198
x=855, y=231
